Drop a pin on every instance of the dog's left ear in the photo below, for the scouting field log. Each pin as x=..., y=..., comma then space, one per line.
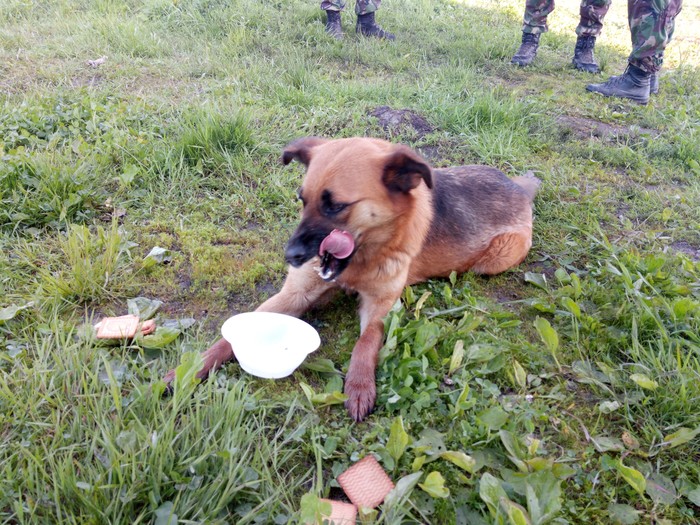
x=300, y=149
x=404, y=169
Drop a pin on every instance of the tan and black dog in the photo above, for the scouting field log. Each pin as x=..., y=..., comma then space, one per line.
x=377, y=217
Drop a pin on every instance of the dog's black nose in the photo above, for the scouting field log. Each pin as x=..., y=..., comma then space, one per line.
x=296, y=254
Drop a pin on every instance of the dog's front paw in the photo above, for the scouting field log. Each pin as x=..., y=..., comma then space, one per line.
x=361, y=392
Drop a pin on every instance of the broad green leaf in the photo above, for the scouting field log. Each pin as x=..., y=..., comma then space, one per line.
x=325, y=366
x=402, y=490
x=82, y=485
x=460, y=459
x=572, y=306
x=623, y=514
x=128, y=174
x=312, y=509
x=494, y=418
x=165, y=514
x=538, y=279
x=157, y=255
x=633, y=477
x=607, y=444
x=607, y=407
x=491, y=492
x=543, y=494
x=694, y=496
x=328, y=398
x=481, y=352
x=421, y=302
x=190, y=364
x=427, y=336
x=548, y=334
x=680, y=437
x=418, y=463
x=435, y=485
x=515, y=449
x=661, y=490
x=143, y=307
x=457, y=356
x=520, y=374
x=517, y=515
x=644, y=381
x=398, y=439
x=308, y=391
x=11, y=311
x=161, y=338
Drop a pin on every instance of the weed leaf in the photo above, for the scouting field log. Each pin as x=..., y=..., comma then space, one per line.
x=644, y=381
x=491, y=492
x=538, y=279
x=633, y=477
x=143, y=307
x=165, y=514
x=462, y=460
x=457, y=356
x=11, y=311
x=435, y=485
x=402, y=490
x=517, y=515
x=680, y=437
x=398, y=439
x=661, y=490
x=623, y=514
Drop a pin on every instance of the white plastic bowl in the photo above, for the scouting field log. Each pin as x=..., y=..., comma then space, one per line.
x=269, y=345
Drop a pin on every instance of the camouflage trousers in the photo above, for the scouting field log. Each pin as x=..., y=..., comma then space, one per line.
x=651, y=23
x=362, y=7
x=590, y=24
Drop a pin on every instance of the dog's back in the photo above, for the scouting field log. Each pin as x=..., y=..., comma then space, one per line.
x=472, y=207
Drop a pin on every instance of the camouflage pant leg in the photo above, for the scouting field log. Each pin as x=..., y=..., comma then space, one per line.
x=592, y=14
x=651, y=23
x=362, y=7
x=535, y=18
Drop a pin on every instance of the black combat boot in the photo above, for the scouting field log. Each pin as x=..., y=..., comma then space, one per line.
x=583, y=55
x=632, y=84
x=333, y=26
x=366, y=26
x=654, y=83
x=528, y=50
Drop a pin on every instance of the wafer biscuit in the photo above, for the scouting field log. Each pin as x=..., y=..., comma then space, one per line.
x=366, y=483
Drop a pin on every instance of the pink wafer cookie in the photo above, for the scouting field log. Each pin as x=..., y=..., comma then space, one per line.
x=341, y=513
x=366, y=483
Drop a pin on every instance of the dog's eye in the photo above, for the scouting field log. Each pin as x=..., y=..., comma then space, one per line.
x=334, y=208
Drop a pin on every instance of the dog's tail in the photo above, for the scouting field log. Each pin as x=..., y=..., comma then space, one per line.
x=529, y=183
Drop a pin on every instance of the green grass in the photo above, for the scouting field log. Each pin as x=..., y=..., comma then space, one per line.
x=563, y=391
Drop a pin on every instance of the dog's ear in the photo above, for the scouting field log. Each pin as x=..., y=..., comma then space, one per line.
x=404, y=169
x=300, y=149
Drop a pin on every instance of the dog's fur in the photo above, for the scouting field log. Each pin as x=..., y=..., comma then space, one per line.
x=409, y=223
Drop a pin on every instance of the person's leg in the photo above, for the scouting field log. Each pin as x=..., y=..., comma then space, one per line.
x=366, y=25
x=592, y=13
x=651, y=27
x=534, y=24
x=333, y=9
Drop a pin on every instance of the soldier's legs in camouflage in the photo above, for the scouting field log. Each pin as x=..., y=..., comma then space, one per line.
x=363, y=7
x=535, y=18
x=592, y=14
x=651, y=26
x=333, y=5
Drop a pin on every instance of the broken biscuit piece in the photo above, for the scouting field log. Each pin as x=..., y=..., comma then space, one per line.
x=123, y=327
x=341, y=513
x=366, y=483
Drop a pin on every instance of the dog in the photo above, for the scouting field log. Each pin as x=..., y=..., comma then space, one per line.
x=376, y=217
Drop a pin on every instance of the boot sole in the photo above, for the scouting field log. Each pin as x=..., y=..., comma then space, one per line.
x=642, y=101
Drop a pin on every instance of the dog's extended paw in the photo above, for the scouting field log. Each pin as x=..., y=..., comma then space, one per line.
x=361, y=392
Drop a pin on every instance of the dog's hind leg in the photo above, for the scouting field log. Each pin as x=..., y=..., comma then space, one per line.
x=302, y=289
x=505, y=251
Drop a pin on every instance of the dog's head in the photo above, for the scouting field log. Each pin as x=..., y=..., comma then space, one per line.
x=354, y=193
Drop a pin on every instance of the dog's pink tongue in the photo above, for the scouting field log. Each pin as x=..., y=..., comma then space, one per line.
x=339, y=244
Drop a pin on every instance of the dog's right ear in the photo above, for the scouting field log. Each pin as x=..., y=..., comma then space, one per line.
x=300, y=149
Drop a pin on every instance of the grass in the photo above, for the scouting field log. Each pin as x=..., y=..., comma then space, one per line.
x=563, y=391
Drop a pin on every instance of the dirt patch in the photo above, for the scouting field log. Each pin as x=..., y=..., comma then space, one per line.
x=395, y=121
x=585, y=128
x=688, y=249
